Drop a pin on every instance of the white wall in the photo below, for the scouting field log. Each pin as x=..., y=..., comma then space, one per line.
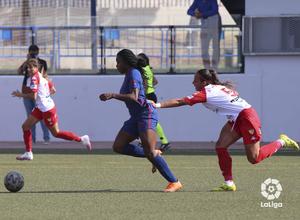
x=271, y=7
x=273, y=93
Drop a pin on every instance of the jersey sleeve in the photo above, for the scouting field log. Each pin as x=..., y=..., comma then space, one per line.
x=136, y=79
x=50, y=84
x=34, y=83
x=197, y=97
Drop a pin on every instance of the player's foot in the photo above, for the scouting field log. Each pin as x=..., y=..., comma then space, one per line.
x=153, y=167
x=173, y=187
x=26, y=156
x=85, y=140
x=165, y=147
x=224, y=187
x=288, y=142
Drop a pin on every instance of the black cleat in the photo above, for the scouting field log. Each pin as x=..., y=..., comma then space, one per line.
x=165, y=147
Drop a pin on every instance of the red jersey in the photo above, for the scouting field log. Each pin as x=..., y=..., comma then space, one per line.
x=220, y=99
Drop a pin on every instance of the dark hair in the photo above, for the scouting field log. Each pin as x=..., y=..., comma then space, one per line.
x=145, y=58
x=130, y=58
x=212, y=77
x=33, y=47
x=32, y=62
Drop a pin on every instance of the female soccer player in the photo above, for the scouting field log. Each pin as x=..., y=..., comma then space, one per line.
x=142, y=121
x=150, y=81
x=44, y=110
x=243, y=121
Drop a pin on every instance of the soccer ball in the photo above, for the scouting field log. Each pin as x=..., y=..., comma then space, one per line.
x=14, y=181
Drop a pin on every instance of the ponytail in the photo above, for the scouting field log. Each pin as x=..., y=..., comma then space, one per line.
x=212, y=77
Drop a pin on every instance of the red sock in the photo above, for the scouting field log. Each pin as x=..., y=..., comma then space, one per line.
x=225, y=162
x=268, y=150
x=68, y=136
x=27, y=140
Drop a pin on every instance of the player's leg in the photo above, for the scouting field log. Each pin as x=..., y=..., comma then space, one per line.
x=215, y=38
x=205, y=40
x=126, y=135
x=165, y=145
x=29, y=106
x=123, y=145
x=256, y=154
x=51, y=121
x=148, y=138
x=249, y=126
x=46, y=133
x=227, y=137
x=27, y=137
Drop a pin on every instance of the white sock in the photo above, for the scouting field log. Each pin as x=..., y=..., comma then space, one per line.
x=282, y=142
x=229, y=182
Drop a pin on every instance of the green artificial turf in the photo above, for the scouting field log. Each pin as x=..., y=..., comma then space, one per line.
x=67, y=186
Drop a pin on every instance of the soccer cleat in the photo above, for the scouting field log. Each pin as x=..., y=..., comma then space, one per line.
x=26, y=156
x=224, y=188
x=165, y=147
x=173, y=187
x=85, y=140
x=288, y=142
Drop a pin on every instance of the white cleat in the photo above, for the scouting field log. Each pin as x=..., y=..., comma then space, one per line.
x=25, y=156
x=85, y=140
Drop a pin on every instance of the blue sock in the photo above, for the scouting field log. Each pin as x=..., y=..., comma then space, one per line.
x=133, y=150
x=164, y=169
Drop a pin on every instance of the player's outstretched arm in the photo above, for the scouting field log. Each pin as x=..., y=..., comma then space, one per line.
x=19, y=94
x=133, y=96
x=171, y=103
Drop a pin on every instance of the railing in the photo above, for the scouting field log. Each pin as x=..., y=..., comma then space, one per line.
x=100, y=3
x=84, y=50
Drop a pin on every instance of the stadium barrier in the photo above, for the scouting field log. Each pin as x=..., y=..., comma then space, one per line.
x=74, y=49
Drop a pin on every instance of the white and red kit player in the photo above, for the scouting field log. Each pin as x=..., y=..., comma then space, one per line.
x=44, y=110
x=243, y=122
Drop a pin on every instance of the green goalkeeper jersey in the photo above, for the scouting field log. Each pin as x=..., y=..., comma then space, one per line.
x=148, y=76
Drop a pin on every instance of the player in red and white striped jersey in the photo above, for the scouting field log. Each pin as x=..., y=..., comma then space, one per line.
x=44, y=110
x=243, y=122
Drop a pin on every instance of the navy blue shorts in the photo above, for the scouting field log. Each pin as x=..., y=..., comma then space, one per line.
x=136, y=125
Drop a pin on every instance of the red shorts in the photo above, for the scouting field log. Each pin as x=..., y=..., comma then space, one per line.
x=50, y=117
x=248, y=126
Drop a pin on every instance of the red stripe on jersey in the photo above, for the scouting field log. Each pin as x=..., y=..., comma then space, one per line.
x=197, y=97
x=50, y=84
x=35, y=81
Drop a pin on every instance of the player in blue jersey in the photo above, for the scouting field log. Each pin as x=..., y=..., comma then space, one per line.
x=142, y=121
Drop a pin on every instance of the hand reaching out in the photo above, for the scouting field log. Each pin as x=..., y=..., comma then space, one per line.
x=16, y=93
x=106, y=96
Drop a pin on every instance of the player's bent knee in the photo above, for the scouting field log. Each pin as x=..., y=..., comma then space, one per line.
x=252, y=160
x=25, y=127
x=54, y=133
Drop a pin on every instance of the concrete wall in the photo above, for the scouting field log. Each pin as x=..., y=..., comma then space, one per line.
x=273, y=93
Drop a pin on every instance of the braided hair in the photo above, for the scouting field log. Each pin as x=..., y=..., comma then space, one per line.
x=131, y=60
x=212, y=77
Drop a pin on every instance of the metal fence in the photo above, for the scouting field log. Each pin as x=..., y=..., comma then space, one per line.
x=82, y=50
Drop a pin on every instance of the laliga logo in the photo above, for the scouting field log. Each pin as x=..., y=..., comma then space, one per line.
x=271, y=189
